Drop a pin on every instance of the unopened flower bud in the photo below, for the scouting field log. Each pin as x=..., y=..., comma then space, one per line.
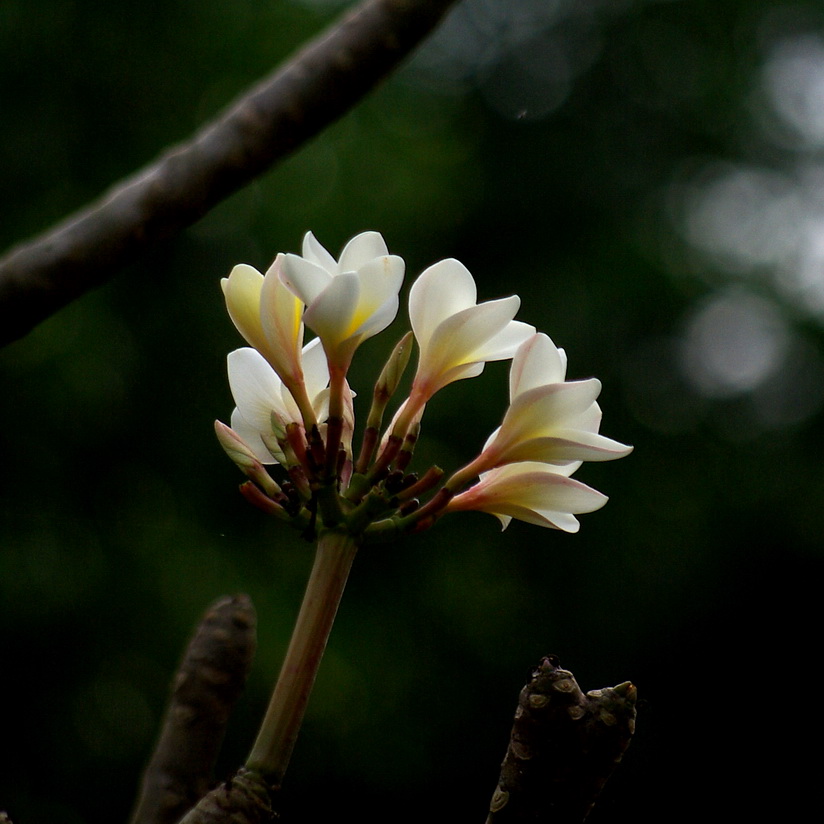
x=392, y=372
x=243, y=457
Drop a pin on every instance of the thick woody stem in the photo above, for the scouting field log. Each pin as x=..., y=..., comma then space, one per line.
x=204, y=692
x=318, y=85
x=563, y=747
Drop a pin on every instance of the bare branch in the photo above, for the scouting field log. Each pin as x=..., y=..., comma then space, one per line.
x=319, y=84
x=243, y=799
x=563, y=747
x=204, y=692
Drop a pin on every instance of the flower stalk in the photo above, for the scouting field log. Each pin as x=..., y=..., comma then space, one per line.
x=279, y=731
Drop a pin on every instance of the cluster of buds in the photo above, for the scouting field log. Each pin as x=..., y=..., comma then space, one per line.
x=295, y=406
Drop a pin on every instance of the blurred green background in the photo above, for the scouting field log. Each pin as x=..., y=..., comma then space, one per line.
x=647, y=177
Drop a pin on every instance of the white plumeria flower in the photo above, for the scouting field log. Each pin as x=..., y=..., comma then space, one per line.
x=348, y=300
x=533, y=492
x=260, y=394
x=549, y=419
x=268, y=316
x=456, y=335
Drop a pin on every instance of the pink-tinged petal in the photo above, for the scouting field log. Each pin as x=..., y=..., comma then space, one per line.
x=331, y=315
x=538, y=361
x=242, y=292
x=314, y=252
x=537, y=486
x=567, y=468
x=442, y=290
x=360, y=250
x=530, y=492
x=304, y=279
x=566, y=446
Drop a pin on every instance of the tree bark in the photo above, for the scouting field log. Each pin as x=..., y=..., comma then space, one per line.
x=205, y=690
x=245, y=799
x=563, y=747
x=318, y=85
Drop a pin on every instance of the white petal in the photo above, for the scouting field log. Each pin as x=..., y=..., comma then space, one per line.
x=531, y=492
x=255, y=387
x=315, y=368
x=569, y=445
x=251, y=437
x=457, y=339
x=360, y=250
x=545, y=490
x=600, y=447
x=242, y=292
x=563, y=521
x=546, y=518
x=541, y=411
x=589, y=421
x=441, y=290
x=380, y=279
x=504, y=519
x=538, y=361
x=320, y=403
x=459, y=373
x=281, y=318
x=304, y=279
x=314, y=252
x=380, y=319
x=506, y=342
x=330, y=317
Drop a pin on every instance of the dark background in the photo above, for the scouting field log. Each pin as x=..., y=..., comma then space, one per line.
x=646, y=176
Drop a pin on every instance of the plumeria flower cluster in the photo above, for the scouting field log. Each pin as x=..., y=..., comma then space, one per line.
x=295, y=407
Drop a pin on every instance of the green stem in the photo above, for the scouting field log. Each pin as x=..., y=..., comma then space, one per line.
x=279, y=731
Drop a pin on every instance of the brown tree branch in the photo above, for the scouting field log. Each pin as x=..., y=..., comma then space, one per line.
x=205, y=689
x=244, y=799
x=563, y=747
x=318, y=85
